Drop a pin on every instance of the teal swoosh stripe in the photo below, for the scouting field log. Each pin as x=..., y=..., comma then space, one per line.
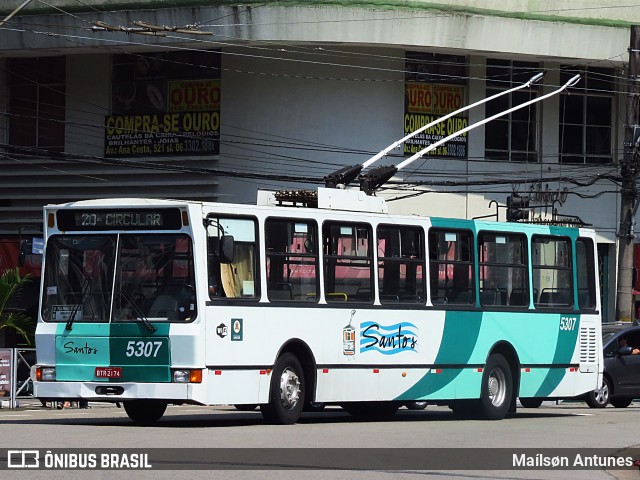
x=564, y=350
x=459, y=338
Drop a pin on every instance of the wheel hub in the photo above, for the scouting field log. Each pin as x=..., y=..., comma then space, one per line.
x=602, y=394
x=496, y=387
x=289, y=388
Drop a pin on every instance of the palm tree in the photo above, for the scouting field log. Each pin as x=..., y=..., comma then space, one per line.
x=10, y=285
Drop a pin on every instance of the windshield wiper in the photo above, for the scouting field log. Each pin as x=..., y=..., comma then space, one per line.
x=72, y=316
x=136, y=309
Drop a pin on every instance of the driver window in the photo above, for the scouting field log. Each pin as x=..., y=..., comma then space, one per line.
x=234, y=277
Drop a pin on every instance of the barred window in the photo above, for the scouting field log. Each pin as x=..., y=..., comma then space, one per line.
x=586, y=117
x=37, y=102
x=512, y=137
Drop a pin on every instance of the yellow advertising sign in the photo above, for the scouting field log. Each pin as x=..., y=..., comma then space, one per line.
x=192, y=133
x=433, y=98
x=456, y=147
x=193, y=95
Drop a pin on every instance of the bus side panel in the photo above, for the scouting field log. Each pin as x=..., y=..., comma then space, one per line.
x=408, y=355
x=346, y=370
x=235, y=386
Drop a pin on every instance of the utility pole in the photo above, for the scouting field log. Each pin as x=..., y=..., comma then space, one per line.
x=629, y=170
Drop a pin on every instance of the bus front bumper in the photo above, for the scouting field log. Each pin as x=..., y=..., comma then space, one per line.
x=113, y=392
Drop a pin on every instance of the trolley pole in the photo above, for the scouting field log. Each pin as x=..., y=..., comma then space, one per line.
x=630, y=171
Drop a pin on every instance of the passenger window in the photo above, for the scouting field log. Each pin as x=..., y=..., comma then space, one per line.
x=400, y=264
x=552, y=271
x=586, y=273
x=292, y=260
x=503, y=269
x=348, y=275
x=451, y=267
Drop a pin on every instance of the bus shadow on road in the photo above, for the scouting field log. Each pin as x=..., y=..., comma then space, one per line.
x=208, y=418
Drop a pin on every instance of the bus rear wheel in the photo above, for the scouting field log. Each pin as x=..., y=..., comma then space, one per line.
x=497, y=389
x=145, y=411
x=531, y=402
x=286, y=395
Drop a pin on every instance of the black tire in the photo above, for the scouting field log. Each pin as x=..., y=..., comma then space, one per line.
x=530, y=402
x=621, y=402
x=145, y=411
x=599, y=398
x=286, y=395
x=371, y=410
x=248, y=407
x=416, y=405
x=314, y=407
x=497, y=389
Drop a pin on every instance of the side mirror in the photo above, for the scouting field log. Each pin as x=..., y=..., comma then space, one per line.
x=625, y=350
x=226, y=249
x=26, y=247
x=29, y=249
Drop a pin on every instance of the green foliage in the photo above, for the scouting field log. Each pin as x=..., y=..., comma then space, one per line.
x=11, y=284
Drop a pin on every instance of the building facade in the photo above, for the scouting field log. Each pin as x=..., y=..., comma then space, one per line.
x=215, y=100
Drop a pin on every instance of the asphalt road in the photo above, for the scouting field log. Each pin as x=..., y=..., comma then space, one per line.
x=330, y=439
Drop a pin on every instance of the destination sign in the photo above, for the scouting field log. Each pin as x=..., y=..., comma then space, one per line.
x=132, y=219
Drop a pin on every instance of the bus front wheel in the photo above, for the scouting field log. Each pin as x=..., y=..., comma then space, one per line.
x=497, y=388
x=145, y=411
x=286, y=395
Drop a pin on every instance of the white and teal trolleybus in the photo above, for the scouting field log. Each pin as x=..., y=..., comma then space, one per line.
x=321, y=298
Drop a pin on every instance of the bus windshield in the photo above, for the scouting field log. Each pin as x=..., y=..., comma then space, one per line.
x=150, y=278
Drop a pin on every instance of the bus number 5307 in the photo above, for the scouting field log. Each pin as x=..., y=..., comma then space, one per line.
x=143, y=349
x=567, y=323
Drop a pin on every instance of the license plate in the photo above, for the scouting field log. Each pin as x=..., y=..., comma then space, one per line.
x=108, y=372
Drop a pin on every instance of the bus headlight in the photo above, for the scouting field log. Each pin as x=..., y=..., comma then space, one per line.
x=187, y=376
x=46, y=374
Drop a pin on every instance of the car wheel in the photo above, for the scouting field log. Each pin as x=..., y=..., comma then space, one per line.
x=599, y=398
x=530, y=402
x=622, y=402
x=416, y=405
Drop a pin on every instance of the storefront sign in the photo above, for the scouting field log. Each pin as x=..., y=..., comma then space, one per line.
x=183, y=133
x=165, y=104
x=434, y=87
